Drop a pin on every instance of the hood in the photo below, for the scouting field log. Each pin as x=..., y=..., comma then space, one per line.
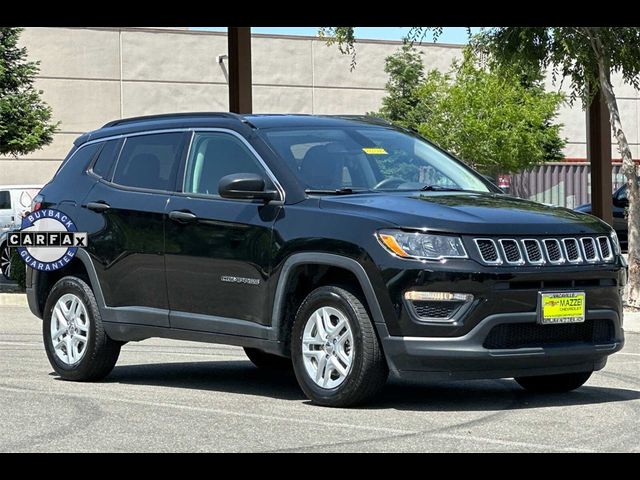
x=467, y=213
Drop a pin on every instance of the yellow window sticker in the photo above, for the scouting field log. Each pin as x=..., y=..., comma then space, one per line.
x=374, y=151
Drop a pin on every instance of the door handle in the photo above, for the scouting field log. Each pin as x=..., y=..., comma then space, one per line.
x=182, y=217
x=98, y=206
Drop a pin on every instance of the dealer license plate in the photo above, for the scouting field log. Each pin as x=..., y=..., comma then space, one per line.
x=565, y=307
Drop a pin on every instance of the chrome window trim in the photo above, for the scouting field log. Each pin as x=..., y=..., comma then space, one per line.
x=93, y=162
x=253, y=151
x=578, y=248
x=596, y=258
x=524, y=247
x=506, y=259
x=496, y=262
x=609, y=257
x=546, y=250
x=177, y=130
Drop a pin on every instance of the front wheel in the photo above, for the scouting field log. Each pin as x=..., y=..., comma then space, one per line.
x=5, y=261
x=554, y=383
x=336, y=354
x=74, y=337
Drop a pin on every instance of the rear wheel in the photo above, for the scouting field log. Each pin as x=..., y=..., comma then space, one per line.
x=554, y=383
x=74, y=337
x=336, y=354
x=5, y=261
x=266, y=360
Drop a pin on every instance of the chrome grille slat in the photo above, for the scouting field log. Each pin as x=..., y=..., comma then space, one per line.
x=533, y=251
x=572, y=250
x=589, y=249
x=605, y=249
x=553, y=250
x=511, y=251
x=488, y=251
x=556, y=251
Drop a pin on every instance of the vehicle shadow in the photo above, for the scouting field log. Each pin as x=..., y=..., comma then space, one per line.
x=243, y=378
x=224, y=376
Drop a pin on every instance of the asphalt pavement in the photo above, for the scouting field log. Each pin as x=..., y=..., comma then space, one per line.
x=177, y=396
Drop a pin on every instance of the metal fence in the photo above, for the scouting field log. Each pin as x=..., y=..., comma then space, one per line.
x=564, y=184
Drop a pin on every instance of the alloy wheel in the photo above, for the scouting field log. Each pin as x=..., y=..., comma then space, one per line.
x=327, y=347
x=69, y=329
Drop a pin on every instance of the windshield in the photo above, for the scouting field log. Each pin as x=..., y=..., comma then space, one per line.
x=369, y=158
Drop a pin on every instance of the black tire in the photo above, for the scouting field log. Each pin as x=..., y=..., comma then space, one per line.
x=101, y=352
x=267, y=361
x=554, y=383
x=369, y=371
x=5, y=261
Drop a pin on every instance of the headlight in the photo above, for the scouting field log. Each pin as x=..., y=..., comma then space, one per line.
x=615, y=242
x=423, y=246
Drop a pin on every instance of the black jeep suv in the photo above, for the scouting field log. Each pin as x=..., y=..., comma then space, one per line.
x=343, y=245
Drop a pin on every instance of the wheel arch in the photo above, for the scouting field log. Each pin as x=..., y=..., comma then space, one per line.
x=281, y=322
x=42, y=282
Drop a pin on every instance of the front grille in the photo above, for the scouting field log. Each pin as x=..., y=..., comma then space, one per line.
x=544, y=251
x=488, y=250
x=589, y=249
x=511, y=251
x=444, y=310
x=534, y=335
x=554, y=254
x=572, y=249
x=534, y=253
x=605, y=248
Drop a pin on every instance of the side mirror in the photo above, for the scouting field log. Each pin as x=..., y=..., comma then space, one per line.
x=246, y=186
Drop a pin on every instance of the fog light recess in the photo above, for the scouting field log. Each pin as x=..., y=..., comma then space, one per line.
x=437, y=306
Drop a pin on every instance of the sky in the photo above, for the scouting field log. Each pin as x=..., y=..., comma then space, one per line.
x=449, y=35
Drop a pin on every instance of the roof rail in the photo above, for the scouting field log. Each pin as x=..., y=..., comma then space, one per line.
x=168, y=116
x=367, y=118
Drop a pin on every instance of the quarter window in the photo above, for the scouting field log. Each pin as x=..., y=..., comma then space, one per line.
x=106, y=158
x=150, y=161
x=216, y=155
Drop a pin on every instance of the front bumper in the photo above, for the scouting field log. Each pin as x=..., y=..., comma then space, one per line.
x=465, y=357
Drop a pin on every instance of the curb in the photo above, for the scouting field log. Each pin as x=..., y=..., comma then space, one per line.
x=13, y=300
x=631, y=322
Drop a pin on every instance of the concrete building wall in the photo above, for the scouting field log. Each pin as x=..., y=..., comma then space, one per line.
x=93, y=75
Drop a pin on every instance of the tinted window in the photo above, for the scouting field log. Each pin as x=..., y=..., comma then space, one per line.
x=623, y=194
x=149, y=161
x=76, y=163
x=106, y=158
x=215, y=155
x=369, y=158
x=5, y=200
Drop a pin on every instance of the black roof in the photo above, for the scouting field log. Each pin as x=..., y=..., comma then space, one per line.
x=224, y=119
x=299, y=120
x=256, y=120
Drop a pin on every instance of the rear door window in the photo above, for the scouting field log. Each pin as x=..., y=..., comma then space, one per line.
x=150, y=161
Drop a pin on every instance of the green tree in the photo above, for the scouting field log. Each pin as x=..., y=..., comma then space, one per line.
x=25, y=119
x=406, y=74
x=494, y=121
x=586, y=56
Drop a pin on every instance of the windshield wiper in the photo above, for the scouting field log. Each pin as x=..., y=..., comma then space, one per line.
x=440, y=188
x=339, y=191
